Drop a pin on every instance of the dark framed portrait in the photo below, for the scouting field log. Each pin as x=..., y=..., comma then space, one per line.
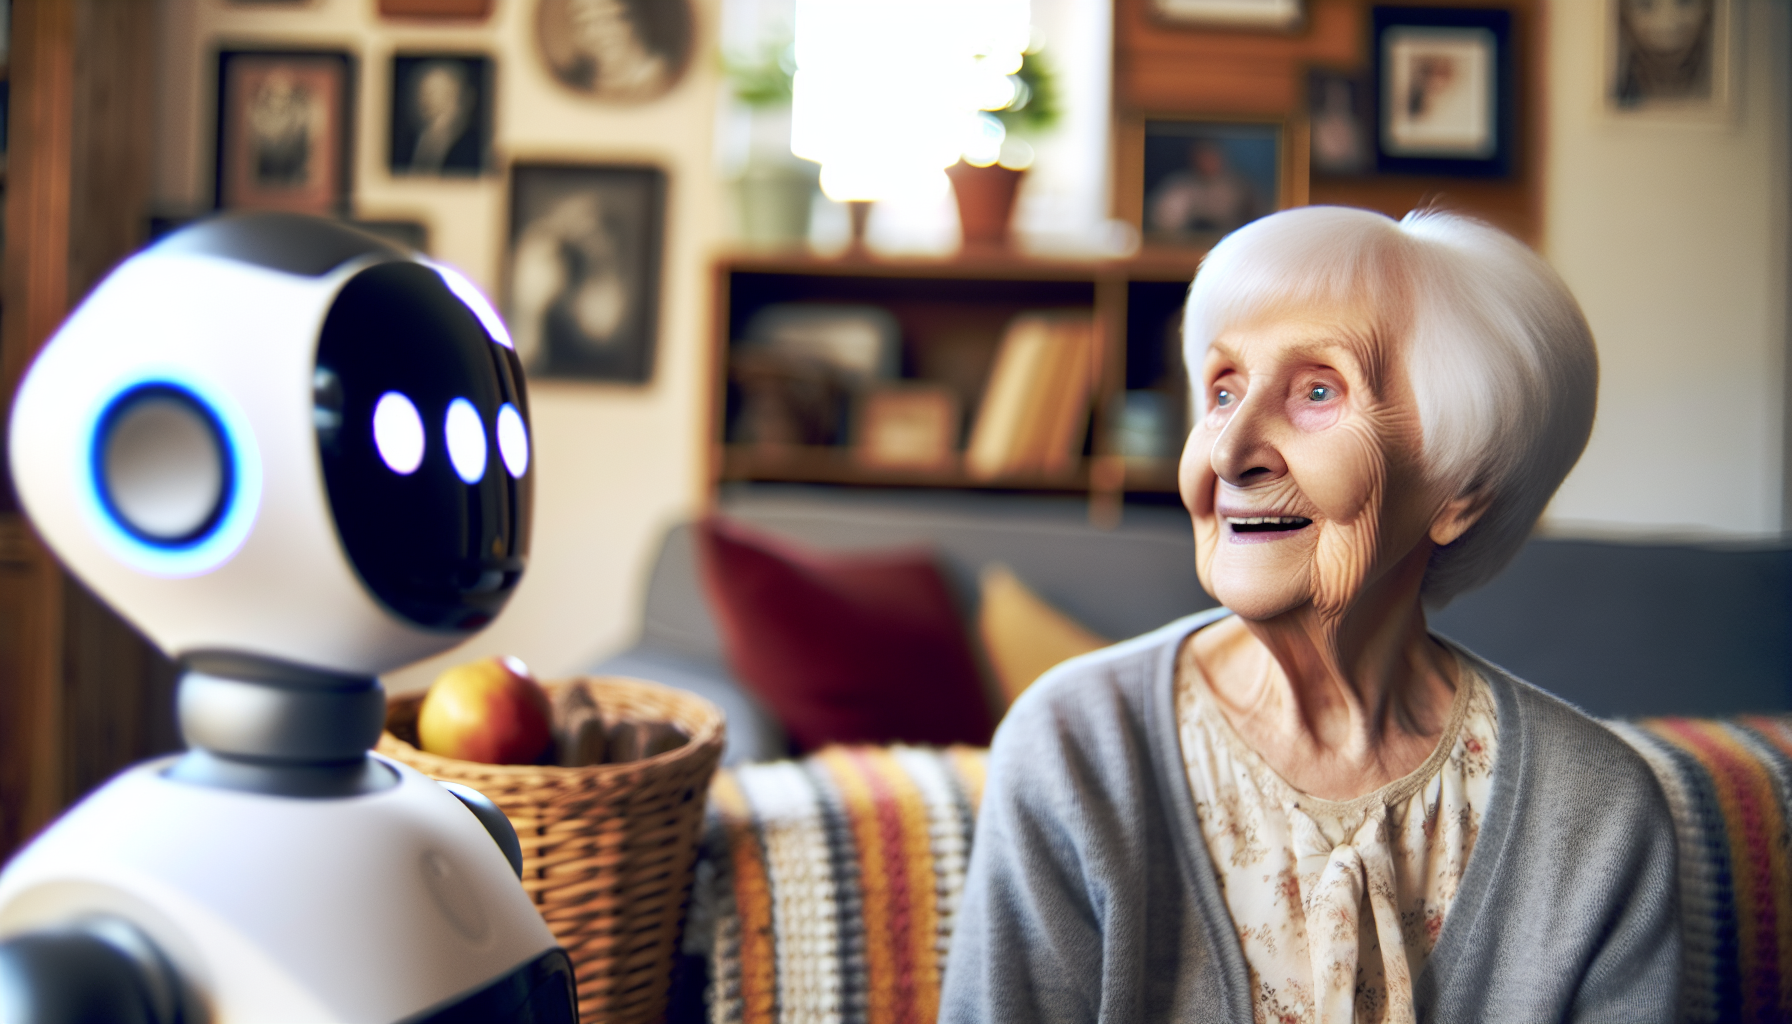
x=1205, y=178
x=1339, y=120
x=624, y=51
x=585, y=250
x=1668, y=56
x=285, y=135
x=1444, y=98
x=441, y=114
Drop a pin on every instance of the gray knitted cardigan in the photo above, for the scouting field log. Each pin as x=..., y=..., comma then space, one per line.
x=1091, y=896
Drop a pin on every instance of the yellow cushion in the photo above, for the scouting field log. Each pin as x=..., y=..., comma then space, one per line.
x=1022, y=635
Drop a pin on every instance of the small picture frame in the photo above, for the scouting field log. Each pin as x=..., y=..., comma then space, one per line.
x=1444, y=97
x=441, y=115
x=1203, y=179
x=1340, y=121
x=285, y=132
x=618, y=51
x=1669, y=59
x=1269, y=15
x=907, y=427
x=584, y=282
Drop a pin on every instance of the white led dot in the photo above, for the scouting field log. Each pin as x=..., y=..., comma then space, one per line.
x=398, y=433
x=466, y=440
x=513, y=440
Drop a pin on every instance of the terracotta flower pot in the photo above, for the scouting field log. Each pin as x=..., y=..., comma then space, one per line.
x=985, y=202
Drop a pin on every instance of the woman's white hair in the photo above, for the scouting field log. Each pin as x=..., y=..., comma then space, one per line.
x=1498, y=354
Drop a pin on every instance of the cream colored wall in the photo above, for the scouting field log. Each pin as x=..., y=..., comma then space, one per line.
x=1674, y=238
x=616, y=464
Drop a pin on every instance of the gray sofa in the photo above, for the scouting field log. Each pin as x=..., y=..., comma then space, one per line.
x=1621, y=630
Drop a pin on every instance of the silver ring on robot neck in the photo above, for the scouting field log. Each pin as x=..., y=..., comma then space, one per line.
x=240, y=718
x=270, y=727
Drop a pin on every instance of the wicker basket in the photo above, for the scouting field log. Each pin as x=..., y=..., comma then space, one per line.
x=608, y=849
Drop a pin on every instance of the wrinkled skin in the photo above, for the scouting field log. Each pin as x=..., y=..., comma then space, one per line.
x=1327, y=670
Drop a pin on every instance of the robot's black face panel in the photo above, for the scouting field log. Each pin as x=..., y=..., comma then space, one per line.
x=288, y=242
x=422, y=424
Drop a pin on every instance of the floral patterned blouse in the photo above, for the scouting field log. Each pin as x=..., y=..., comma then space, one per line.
x=1337, y=903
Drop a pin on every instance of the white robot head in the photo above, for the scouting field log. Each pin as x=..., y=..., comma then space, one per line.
x=277, y=437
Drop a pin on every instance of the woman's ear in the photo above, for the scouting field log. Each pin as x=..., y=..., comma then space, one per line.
x=1457, y=515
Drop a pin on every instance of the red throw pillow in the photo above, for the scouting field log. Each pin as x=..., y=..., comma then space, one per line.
x=844, y=648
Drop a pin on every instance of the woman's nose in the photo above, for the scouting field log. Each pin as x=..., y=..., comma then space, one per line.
x=1245, y=454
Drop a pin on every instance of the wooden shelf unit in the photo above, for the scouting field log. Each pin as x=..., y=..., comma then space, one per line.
x=952, y=314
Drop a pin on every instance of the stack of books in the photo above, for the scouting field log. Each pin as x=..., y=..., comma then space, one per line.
x=1035, y=409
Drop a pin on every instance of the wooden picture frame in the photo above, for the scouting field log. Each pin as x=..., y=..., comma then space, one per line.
x=1261, y=15
x=584, y=269
x=1445, y=98
x=1170, y=162
x=907, y=426
x=440, y=117
x=1670, y=62
x=285, y=131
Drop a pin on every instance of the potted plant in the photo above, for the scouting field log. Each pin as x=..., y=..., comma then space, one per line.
x=775, y=190
x=986, y=182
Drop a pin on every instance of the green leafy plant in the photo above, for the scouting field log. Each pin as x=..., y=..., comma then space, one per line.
x=763, y=79
x=1035, y=104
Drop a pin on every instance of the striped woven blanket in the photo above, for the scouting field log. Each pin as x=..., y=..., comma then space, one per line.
x=1729, y=786
x=827, y=886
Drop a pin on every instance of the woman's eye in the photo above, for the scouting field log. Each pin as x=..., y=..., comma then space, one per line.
x=1321, y=393
x=1223, y=398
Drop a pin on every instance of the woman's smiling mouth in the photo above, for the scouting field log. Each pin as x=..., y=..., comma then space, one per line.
x=1253, y=528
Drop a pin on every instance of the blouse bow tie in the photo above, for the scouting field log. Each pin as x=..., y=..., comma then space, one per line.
x=1333, y=879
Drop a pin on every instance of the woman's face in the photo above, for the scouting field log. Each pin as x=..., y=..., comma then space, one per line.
x=1303, y=475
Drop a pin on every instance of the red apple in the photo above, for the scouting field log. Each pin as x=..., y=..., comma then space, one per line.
x=492, y=711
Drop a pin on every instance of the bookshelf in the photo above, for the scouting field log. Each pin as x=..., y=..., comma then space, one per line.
x=951, y=316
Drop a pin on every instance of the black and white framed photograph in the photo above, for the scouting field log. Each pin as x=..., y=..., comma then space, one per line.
x=441, y=114
x=285, y=130
x=1271, y=15
x=1444, y=93
x=1669, y=58
x=1339, y=117
x=1203, y=179
x=585, y=250
x=622, y=51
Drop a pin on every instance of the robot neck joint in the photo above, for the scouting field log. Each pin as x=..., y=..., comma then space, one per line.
x=267, y=726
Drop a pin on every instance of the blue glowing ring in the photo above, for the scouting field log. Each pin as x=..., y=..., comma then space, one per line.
x=224, y=531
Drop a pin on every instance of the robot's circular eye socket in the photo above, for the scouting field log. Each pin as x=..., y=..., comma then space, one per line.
x=398, y=433
x=513, y=440
x=466, y=441
x=162, y=465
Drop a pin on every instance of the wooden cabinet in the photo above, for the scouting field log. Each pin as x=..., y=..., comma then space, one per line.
x=82, y=694
x=951, y=317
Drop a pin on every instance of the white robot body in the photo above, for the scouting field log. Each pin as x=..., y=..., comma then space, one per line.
x=370, y=908
x=296, y=457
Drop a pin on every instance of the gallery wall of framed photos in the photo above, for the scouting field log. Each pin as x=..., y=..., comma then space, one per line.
x=1385, y=106
x=578, y=193
x=580, y=256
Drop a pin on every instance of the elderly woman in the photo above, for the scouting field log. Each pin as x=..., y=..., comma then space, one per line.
x=1304, y=806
